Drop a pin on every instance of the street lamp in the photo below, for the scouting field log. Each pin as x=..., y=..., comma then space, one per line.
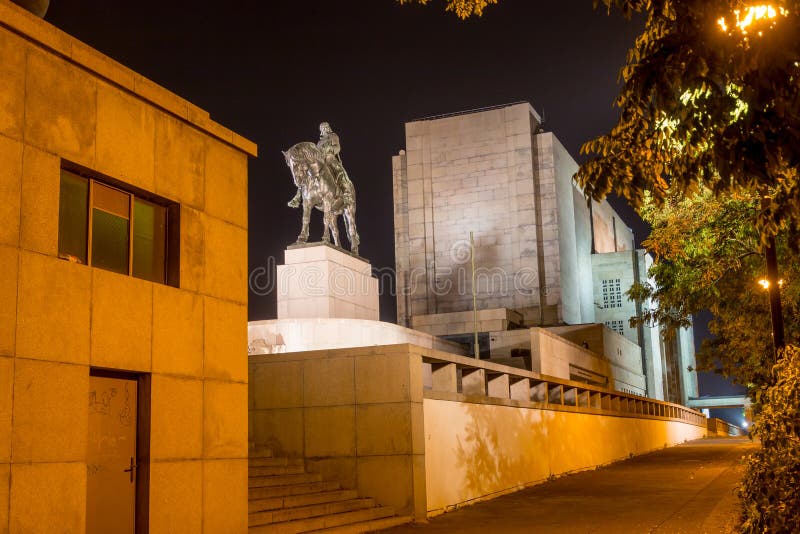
x=764, y=16
x=754, y=14
x=773, y=283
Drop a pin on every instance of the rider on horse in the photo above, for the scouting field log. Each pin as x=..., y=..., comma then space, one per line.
x=330, y=147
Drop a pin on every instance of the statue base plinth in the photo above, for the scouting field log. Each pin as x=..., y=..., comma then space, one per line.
x=320, y=280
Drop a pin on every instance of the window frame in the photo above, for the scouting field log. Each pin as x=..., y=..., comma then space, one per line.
x=171, y=221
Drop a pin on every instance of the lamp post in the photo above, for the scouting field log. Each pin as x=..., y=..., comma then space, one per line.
x=761, y=13
x=774, y=290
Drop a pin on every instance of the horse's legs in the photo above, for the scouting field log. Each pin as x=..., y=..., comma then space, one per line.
x=307, y=207
x=334, y=222
x=326, y=218
x=352, y=233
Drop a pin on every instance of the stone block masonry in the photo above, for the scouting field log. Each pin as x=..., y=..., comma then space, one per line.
x=497, y=174
x=322, y=281
x=424, y=431
x=183, y=343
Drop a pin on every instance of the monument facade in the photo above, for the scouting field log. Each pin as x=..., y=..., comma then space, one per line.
x=538, y=246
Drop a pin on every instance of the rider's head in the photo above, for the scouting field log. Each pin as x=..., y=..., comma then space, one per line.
x=325, y=128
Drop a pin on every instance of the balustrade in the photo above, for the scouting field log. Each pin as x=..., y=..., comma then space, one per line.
x=481, y=381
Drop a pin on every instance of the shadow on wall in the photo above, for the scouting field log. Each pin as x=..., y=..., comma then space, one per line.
x=477, y=451
x=500, y=453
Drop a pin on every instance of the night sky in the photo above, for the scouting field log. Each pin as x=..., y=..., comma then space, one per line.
x=273, y=70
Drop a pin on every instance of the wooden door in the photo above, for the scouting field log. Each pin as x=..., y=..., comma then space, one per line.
x=111, y=459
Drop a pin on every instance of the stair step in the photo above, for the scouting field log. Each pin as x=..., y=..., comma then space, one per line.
x=310, y=511
x=270, y=470
x=290, y=501
x=283, y=480
x=266, y=492
x=325, y=521
x=369, y=526
x=270, y=462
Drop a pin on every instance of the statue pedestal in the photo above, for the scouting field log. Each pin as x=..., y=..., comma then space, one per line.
x=323, y=281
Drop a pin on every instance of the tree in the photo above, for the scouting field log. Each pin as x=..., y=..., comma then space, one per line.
x=710, y=96
x=711, y=99
x=769, y=490
x=462, y=8
x=706, y=252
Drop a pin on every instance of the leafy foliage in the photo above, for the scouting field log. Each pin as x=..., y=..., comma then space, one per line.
x=770, y=490
x=705, y=105
x=706, y=257
x=464, y=9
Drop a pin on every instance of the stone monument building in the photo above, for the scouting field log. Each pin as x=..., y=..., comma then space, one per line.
x=123, y=297
x=543, y=257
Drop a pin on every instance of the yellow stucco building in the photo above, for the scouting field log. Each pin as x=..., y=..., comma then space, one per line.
x=123, y=296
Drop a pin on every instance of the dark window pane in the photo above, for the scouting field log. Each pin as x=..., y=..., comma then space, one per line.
x=149, y=241
x=109, y=241
x=73, y=213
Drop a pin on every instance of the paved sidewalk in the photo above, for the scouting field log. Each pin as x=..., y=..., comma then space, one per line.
x=683, y=489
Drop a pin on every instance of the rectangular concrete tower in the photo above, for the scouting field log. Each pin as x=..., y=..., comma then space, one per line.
x=496, y=173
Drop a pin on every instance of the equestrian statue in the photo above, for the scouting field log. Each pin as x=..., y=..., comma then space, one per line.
x=323, y=183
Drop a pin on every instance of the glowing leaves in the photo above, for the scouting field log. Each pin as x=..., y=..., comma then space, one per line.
x=463, y=9
x=702, y=105
x=756, y=17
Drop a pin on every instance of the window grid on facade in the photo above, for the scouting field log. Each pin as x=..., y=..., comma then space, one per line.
x=617, y=326
x=612, y=293
x=116, y=230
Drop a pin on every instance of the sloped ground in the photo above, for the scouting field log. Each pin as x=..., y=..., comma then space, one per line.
x=685, y=489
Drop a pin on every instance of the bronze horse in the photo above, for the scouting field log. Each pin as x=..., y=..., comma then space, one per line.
x=320, y=189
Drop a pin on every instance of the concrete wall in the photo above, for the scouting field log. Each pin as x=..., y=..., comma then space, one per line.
x=62, y=101
x=442, y=324
x=667, y=363
x=318, y=280
x=477, y=451
x=610, y=232
x=501, y=344
x=721, y=428
x=612, y=266
x=620, y=265
x=617, y=349
x=574, y=242
x=295, y=335
x=491, y=172
x=556, y=356
x=687, y=361
x=422, y=430
x=460, y=174
x=354, y=414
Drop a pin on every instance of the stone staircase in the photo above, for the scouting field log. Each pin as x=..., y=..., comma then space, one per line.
x=285, y=498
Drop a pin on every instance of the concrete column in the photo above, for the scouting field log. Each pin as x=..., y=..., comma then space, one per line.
x=499, y=386
x=473, y=382
x=444, y=377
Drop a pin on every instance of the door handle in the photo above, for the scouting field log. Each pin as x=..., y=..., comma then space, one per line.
x=131, y=469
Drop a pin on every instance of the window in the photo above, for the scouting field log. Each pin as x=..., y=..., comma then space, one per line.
x=612, y=293
x=116, y=229
x=617, y=326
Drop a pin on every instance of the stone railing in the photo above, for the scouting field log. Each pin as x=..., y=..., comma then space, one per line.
x=462, y=379
x=424, y=431
x=719, y=427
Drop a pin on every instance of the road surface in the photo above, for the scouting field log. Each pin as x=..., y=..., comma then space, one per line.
x=685, y=489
